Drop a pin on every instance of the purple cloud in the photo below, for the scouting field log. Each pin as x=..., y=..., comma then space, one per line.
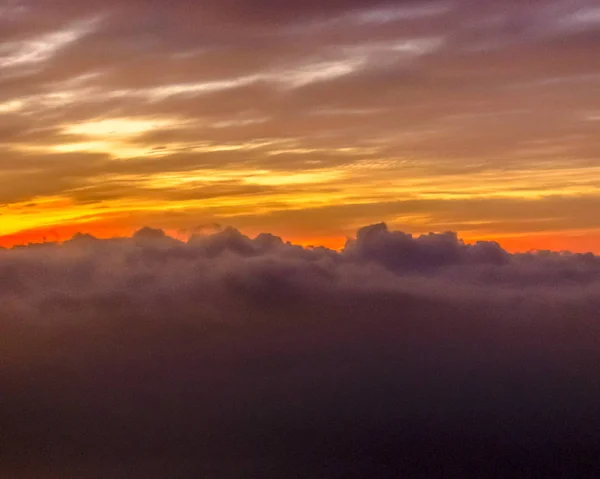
x=228, y=356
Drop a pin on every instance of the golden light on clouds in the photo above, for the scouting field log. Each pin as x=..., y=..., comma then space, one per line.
x=310, y=127
x=117, y=127
x=11, y=106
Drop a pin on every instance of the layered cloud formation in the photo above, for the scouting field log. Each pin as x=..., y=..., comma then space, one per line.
x=462, y=115
x=226, y=356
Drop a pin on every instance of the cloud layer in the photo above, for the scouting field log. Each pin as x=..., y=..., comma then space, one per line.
x=227, y=356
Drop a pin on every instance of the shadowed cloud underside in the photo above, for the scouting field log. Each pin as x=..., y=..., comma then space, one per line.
x=226, y=357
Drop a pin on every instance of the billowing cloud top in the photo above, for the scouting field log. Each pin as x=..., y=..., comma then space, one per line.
x=305, y=118
x=226, y=356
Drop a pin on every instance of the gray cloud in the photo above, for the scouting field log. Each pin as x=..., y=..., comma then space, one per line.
x=229, y=356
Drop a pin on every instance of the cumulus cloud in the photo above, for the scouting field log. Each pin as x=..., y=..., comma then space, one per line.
x=398, y=250
x=226, y=356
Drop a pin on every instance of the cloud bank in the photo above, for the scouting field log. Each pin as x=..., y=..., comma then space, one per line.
x=226, y=356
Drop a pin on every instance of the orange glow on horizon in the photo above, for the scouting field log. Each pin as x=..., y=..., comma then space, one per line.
x=581, y=242
x=576, y=243
x=60, y=233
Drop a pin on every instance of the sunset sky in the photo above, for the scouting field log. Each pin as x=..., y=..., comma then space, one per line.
x=307, y=119
x=168, y=172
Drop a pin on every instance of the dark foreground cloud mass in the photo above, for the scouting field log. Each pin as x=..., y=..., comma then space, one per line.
x=234, y=357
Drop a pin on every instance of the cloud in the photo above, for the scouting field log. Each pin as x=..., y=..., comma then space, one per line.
x=434, y=90
x=397, y=250
x=228, y=356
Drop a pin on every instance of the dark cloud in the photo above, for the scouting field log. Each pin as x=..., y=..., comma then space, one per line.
x=233, y=11
x=400, y=251
x=232, y=357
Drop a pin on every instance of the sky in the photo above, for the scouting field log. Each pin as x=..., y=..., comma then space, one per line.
x=322, y=239
x=306, y=119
